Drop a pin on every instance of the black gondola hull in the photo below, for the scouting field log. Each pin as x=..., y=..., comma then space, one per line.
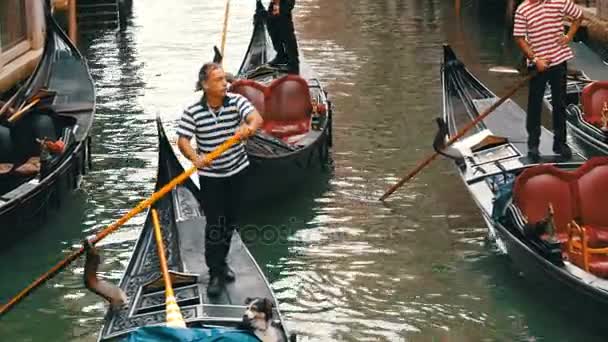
x=486, y=170
x=27, y=203
x=30, y=209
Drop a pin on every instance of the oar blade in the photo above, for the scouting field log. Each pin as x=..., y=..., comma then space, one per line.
x=504, y=70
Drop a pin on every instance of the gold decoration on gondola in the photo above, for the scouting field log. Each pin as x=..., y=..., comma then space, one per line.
x=604, y=117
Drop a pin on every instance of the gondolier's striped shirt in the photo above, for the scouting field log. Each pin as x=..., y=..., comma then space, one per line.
x=541, y=23
x=212, y=129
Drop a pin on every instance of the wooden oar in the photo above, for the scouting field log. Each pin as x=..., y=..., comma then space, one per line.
x=458, y=135
x=23, y=110
x=174, y=315
x=8, y=104
x=114, y=226
x=225, y=29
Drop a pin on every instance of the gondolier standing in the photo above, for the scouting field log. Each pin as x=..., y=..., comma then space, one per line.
x=538, y=30
x=282, y=33
x=213, y=119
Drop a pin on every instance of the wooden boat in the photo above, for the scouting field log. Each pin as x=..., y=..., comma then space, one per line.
x=183, y=230
x=548, y=218
x=58, y=103
x=297, y=133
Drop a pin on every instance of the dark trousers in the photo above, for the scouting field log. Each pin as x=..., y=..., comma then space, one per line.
x=282, y=33
x=556, y=77
x=219, y=201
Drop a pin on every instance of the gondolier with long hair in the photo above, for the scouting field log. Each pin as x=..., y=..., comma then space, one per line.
x=213, y=119
x=282, y=32
x=538, y=30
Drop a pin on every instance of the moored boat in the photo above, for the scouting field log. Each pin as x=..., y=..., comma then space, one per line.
x=44, y=135
x=182, y=224
x=548, y=218
x=586, y=108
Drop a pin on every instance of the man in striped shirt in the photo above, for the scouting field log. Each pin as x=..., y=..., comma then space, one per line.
x=539, y=32
x=212, y=120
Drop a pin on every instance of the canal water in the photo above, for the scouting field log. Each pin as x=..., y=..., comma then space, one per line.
x=418, y=268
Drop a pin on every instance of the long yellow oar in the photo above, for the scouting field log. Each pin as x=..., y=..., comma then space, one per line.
x=225, y=29
x=174, y=315
x=114, y=226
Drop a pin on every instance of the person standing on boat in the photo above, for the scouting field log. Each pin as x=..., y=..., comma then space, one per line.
x=213, y=119
x=538, y=30
x=282, y=32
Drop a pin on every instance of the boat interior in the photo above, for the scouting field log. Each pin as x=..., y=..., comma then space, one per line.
x=577, y=198
x=290, y=107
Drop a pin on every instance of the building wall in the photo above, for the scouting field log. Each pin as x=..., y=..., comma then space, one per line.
x=18, y=59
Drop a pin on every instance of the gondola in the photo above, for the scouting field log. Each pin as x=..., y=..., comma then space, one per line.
x=586, y=112
x=295, y=139
x=44, y=135
x=546, y=217
x=183, y=233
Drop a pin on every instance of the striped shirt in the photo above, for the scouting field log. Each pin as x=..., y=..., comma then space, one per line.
x=541, y=23
x=212, y=129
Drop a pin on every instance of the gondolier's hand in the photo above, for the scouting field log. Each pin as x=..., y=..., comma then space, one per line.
x=201, y=161
x=244, y=132
x=542, y=64
x=565, y=40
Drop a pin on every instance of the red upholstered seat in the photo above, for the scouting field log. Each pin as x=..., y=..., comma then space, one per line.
x=285, y=105
x=593, y=97
x=593, y=200
x=288, y=107
x=582, y=194
x=538, y=186
x=253, y=91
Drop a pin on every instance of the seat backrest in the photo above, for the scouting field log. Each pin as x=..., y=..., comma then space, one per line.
x=253, y=91
x=540, y=185
x=593, y=191
x=288, y=99
x=593, y=97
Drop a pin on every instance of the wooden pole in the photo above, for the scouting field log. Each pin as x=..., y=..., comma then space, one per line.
x=73, y=24
x=225, y=29
x=458, y=135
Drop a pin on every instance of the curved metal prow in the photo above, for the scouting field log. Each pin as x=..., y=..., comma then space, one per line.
x=439, y=143
x=217, y=55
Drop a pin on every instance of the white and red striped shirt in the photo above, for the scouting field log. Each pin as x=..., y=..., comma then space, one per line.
x=541, y=23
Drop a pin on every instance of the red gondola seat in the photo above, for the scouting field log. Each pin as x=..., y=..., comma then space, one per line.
x=581, y=194
x=288, y=107
x=539, y=186
x=253, y=91
x=593, y=97
x=285, y=105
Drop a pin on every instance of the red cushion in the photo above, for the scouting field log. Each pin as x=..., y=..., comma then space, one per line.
x=288, y=99
x=593, y=97
x=538, y=186
x=285, y=104
x=253, y=91
x=593, y=192
x=597, y=236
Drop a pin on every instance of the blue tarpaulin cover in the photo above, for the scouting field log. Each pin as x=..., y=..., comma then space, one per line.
x=155, y=334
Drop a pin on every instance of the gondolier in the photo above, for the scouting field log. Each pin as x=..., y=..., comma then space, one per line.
x=213, y=119
x=538, y=30
x=282, y=33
